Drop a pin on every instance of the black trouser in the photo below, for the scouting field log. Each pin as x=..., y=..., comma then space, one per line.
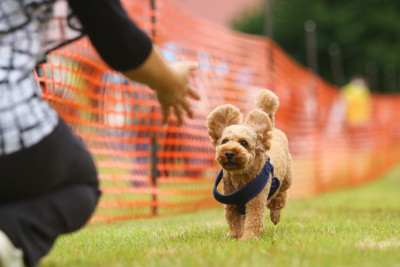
x=46, y=190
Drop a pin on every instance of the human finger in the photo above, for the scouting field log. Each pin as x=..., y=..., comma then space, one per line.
x=186, y=106
x=193, y=65
x=165, y=111
x=192, y=93
x=190, y=65
x=178, y=114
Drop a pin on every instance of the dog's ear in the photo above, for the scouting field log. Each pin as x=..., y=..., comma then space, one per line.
x=261, y=124
x=220, y=118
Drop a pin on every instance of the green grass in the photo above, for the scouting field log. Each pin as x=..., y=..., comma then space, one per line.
x=353, y=227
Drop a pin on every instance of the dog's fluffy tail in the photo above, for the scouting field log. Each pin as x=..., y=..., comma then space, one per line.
x=268, y=102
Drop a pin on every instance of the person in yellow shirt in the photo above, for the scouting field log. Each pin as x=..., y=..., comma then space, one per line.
x=357, y=98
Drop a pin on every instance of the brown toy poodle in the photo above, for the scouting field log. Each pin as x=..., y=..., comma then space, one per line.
x=245, y=150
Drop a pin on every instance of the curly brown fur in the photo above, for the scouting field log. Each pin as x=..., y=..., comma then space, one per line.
x=242, y=147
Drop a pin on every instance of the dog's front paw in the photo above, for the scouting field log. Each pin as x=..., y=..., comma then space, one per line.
x=234, y=235
x=275, y=216
x=249, y=236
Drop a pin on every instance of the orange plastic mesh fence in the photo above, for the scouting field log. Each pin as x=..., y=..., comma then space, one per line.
x=149, y=170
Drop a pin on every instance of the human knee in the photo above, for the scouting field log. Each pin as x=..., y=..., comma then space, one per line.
x=81, y=206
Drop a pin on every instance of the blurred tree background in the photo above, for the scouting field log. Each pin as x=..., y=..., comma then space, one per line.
x=363, y=34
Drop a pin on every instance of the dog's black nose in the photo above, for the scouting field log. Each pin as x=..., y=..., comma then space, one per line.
x=229, y=154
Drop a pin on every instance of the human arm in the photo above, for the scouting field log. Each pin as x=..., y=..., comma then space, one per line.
x=128, y=49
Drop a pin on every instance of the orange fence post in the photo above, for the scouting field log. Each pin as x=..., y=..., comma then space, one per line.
x=154, y=158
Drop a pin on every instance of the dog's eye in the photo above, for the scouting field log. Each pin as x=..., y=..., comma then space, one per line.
x=224, y=142
x=244, y=143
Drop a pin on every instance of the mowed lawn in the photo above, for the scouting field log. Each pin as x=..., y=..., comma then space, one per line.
x=353, y=227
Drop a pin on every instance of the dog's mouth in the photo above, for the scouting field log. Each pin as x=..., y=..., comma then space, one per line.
x=231, y=164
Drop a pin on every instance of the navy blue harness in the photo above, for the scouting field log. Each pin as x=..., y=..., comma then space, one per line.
x=250, y=190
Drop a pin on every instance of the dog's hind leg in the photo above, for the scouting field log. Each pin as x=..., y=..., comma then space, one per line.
x=279, y=202
x=275, y=206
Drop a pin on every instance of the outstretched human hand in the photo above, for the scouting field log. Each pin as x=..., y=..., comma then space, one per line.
x=170, y=81
x=176, y=96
